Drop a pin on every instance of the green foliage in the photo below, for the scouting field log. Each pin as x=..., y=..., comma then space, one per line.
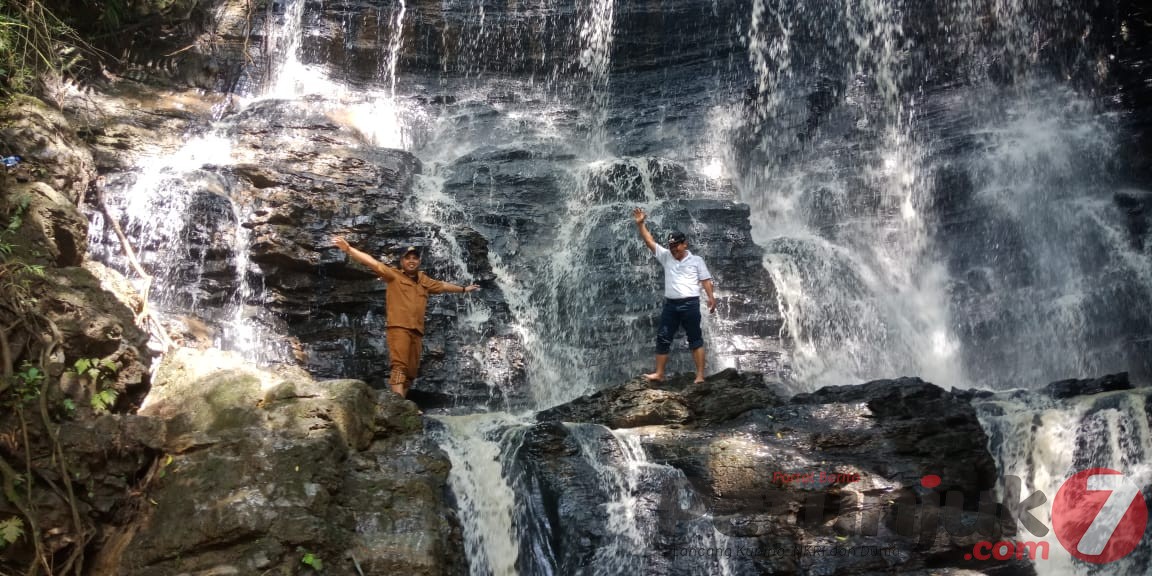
x=98, y=371
x=95, y=368
x=15, y=273
x=29, y=41
x=25, y=384
x=10, y=531
x=103, y=400
x=311, y=560
x=34, y=40
x=15, y=220
x=17, y=217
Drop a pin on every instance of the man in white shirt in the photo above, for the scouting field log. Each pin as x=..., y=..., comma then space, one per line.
x=684, y=274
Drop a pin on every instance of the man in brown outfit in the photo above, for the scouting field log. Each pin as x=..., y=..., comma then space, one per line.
x=405, y=301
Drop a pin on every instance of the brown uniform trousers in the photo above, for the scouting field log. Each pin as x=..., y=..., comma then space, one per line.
x=405, y=303
x=404, y=347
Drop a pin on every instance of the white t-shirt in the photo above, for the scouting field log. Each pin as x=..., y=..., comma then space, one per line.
x=682, y=278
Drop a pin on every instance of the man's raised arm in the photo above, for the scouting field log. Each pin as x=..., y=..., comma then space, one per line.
x=385, y=272
x=640, y=217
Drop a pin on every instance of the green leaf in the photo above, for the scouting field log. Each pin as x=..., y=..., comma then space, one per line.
x=11, y=530
x=82, y=365
x=312, y=560
x=103, y=400
x=69, y=405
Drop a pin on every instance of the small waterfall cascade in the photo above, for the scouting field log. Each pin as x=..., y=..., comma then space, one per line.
x=596, y=59
x=649, y=508
x=477, y=445
x=850, y=251
x=904, y=222
x=286, y=74
x=637, y=514
x=1043, y=441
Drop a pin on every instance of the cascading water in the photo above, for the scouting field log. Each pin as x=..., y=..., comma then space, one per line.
x=629, y=509
x=916, y=230
x=477, y=445
x=1056, y=288
x=954, y=229
x=849, y=249
x=966, y=230
x=595, y=58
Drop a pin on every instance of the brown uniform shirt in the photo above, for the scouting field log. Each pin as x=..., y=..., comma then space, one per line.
x=406, y=299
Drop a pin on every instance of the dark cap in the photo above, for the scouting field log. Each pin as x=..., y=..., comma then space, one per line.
x=676, y=237
x=405, y=250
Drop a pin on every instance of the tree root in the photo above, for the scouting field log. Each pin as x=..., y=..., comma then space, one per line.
x=10, y=477
x=145, y=315
x=82, y=533
x=6, y=358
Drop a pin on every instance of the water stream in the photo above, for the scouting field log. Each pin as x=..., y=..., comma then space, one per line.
x=961, y=230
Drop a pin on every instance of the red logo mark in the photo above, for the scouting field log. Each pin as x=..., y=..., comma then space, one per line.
x=1099, y=515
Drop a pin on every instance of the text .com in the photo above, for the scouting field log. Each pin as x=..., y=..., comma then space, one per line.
x=1005, y=550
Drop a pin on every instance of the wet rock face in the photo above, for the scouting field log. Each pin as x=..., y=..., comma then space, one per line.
x=255, y=236
x=563, y=231
x=269, y=467
x=461, y=38
x=826, y=482
x=723, y=397
x=252, y=239
x=307, y=179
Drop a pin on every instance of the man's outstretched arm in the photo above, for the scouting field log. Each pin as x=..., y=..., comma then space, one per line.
x=441, y=287
x=384, y=271
x=640, y=217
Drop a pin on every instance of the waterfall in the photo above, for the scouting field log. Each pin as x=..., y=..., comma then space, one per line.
x=394, y=48
x=924, y=198
x=158, y=212
x=633, y=518
x=477, y=445
x=909, y=231
x=286, y=76
x=596, y=58
x=1062, y=265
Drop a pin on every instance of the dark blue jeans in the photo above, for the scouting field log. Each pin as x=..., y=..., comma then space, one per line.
x=683, y=312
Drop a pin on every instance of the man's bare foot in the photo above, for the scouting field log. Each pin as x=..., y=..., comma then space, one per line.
x=654, y=377
x=698, y=380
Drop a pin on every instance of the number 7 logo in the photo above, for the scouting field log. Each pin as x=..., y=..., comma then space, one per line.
x=1099, y=515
